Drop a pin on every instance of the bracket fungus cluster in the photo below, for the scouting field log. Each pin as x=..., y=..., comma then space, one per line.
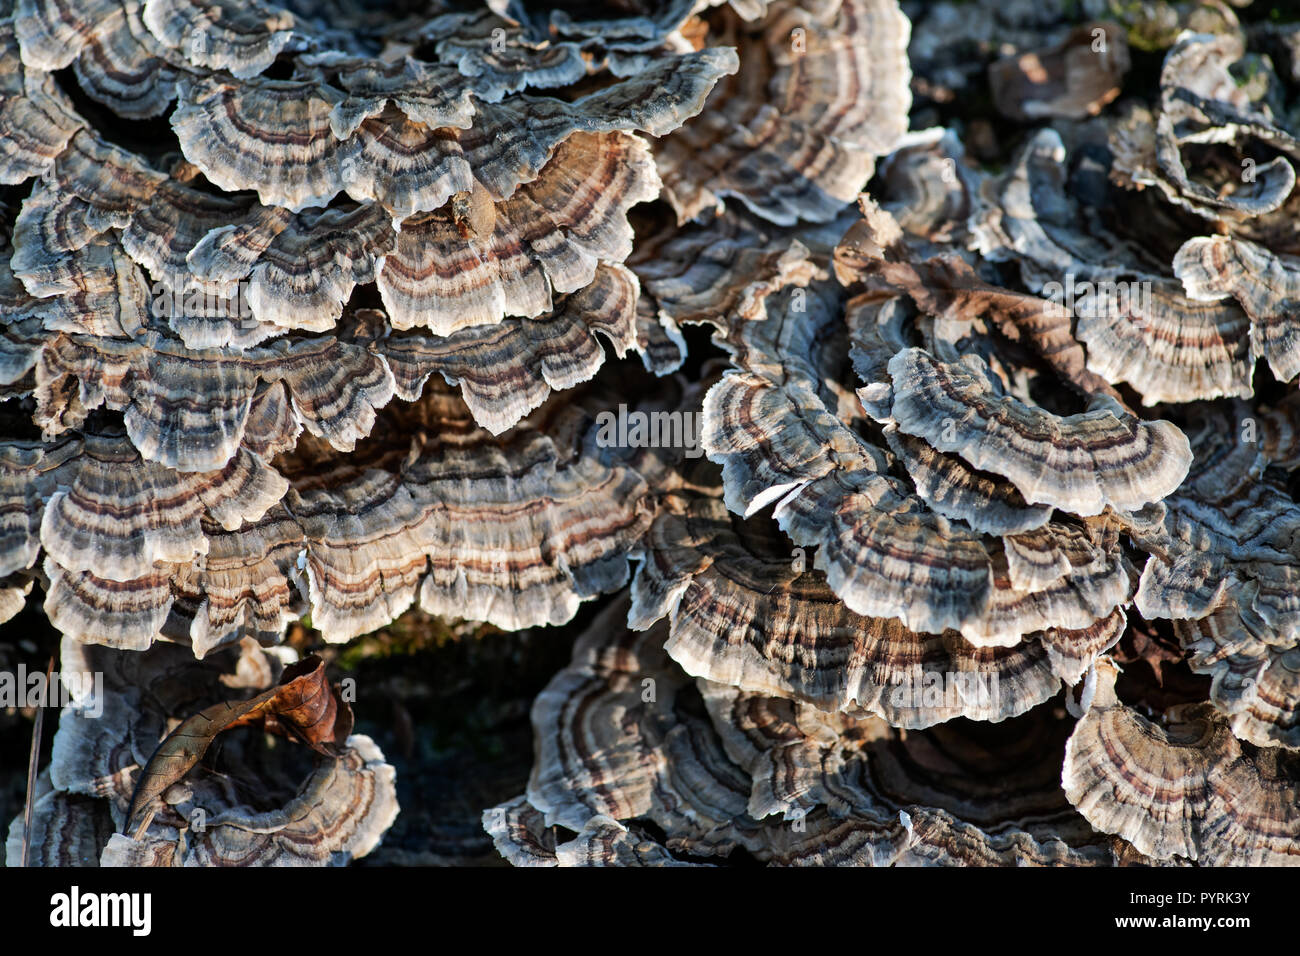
x=933, y=474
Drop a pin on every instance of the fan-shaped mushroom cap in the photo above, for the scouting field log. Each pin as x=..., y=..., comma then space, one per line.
x=1228, y=526
x=824, y=90
x=1148, y=153
x=68, y=829
x=242, y=36
x=229, y=251
x=119, y=516
x=875, y=254
x=36, y=120
x=339, y=813
x=188, y=408
x=1031, y=216
x=431, y=95
x=13, y=596
x=52, y=32
x=29, y=473
x=953, y=489
x=659, y=340
x=1136, y=323
x=620, y=744
x=230, y=271
x=1256, y=673
x=111, y=524
x=1081, y=463
x=520, y=834
x=308, y=272
x=96, y=290
x=773, y=425
x=229, y=131
x=506, y=371
x=952, y=795
x=604, y=841
x=516, y=531
x=1266, y=284
x=1201, y=102
x=162, y=232
x=744, y=612
x=610, y=741
x=126, y=615
x=500, y=58
x=1183, y=787
x=124, y=66
x=636, y=25
x=776, y=440
x=246, y=585
x=107, y=296
x=1175, y=350
x=94, y=187
x=721, y=270
x=550, y=236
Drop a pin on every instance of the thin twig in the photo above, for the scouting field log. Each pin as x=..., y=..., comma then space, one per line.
x=33, y=761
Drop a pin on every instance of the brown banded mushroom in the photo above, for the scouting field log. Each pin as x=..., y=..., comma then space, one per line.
x=776, y=427
x=1182, y=786
x=1083, y=463
x=227, y=130
x=106, y=522
x=124, y=67
x=244, y=38
x=823, y=92
x=337, y=811
x=1136, y=322
x=631, y=26
x=1229, y=527
x=154, y=380
x=934, y=472
x=516, y=531
x=721, y=270
x=500, y=58
x=744, y=612
x=852, y=792
x=36, y=119
x=618, y=747
x=1200, y=102
x=1256, y=675
x=875, y=256
x=1266, y=284
x=549, y=236
x=506, y=371
x=520, y=834
x=610, y=741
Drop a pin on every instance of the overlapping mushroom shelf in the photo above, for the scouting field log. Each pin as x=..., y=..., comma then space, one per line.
x=980, y=551
x=950, y=489
x=338, y=810
x=296, y=296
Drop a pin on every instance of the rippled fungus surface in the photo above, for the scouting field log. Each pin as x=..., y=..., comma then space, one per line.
x=891, y=406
